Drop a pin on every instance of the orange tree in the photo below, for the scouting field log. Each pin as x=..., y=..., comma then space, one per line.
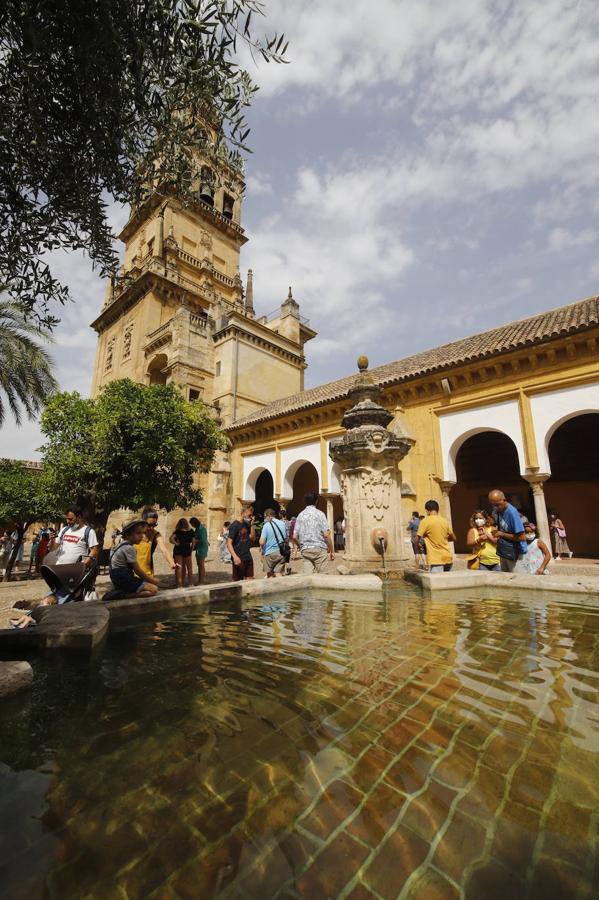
x=132, y=446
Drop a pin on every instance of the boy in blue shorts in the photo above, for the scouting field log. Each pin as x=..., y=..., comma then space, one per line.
x=126, y=574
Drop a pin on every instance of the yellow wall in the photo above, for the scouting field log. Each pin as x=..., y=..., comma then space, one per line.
x=419, y=415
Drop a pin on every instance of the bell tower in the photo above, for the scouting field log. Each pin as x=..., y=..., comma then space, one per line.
x=180, y=273
x=179, y=313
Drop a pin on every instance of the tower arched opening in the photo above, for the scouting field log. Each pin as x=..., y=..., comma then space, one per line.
x=157, y=370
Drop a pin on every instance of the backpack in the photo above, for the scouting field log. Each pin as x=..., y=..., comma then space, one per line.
x=284, y=548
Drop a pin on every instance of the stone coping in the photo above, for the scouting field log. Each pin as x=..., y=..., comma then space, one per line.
x=14, y=676
x=75, y=626
x=82, y=626
x=179, y=598
x=583, y=589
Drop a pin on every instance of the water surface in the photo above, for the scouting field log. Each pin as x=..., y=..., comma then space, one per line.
x=312, y=747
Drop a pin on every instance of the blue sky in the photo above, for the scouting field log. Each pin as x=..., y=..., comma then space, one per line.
x=421, y=171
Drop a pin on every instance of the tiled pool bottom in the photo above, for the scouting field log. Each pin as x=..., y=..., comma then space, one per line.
x=312, y=747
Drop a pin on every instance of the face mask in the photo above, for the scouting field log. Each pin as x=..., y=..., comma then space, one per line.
x=530, y=537
x=479, y=522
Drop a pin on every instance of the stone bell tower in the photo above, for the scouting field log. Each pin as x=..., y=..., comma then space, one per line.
x=179, y=313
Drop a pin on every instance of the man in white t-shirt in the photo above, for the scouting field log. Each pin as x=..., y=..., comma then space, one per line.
x=76, y=541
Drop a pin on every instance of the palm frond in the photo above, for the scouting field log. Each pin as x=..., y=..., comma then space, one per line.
x=26, y=367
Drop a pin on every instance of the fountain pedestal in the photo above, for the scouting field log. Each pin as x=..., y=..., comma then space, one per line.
x=368, y=455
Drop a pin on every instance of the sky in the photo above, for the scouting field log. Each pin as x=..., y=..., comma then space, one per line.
x=421, y=171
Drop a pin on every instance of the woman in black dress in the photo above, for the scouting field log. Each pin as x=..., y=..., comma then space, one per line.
x=182, y=538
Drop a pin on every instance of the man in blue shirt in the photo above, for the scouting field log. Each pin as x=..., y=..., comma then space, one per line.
x=511, y=538
x=274, y=533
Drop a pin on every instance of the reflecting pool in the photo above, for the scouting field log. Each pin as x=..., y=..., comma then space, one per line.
x=312, y=746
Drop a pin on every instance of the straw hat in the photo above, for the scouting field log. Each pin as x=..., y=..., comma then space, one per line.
x=129, y=526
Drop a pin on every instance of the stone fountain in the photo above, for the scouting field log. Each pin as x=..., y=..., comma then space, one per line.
x=369, y=455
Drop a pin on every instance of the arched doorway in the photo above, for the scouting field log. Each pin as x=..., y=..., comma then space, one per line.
x=573, y=489
x=265, y=494
x=485, y=461
x=157, y=369
x=305, y=481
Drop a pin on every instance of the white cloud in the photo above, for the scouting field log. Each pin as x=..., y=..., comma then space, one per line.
x=258, y=183
x=564, y=239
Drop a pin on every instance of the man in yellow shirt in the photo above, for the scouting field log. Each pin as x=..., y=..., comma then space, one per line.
x=437, y=534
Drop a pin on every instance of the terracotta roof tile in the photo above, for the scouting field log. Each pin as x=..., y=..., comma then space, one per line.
x=544, y=326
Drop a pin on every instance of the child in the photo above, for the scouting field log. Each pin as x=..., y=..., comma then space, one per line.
x=127, y=576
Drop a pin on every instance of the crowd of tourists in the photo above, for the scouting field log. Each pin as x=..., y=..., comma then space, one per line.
x=501, y=539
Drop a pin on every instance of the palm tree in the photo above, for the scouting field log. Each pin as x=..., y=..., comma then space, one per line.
x=26, y=378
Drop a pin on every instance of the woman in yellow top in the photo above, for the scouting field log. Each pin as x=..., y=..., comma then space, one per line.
x=151, y=539
x=482, y=541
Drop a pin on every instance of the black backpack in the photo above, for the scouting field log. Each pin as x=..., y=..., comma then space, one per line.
x=284, y=547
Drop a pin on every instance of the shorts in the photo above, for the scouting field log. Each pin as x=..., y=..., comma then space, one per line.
x=245, y=569
x=315, y=560
x=272, y=560
x=126, y=581
x=185, y=554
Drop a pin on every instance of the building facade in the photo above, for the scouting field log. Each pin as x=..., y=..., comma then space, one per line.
x=516, y=407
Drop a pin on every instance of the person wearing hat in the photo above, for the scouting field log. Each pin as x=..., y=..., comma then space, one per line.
x=126, y=574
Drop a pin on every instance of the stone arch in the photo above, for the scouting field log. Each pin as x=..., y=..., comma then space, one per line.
x=562, y=421
x=486, y=459
x=455, y=428
x=249, y=489
x=304, y=479
x=466, y=436
x=156, y=369
x=265, y=494
x=572, y=491
x=289, y=476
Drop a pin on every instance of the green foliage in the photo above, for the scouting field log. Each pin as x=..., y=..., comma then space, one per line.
x=105, y=99
x=26, y=378
x=133, y=445
x=24, y=496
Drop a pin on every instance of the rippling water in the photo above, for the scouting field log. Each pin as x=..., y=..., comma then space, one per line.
x=312, y=747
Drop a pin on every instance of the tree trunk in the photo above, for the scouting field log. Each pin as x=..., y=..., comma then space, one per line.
x=20, y=529
x=93, y=514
